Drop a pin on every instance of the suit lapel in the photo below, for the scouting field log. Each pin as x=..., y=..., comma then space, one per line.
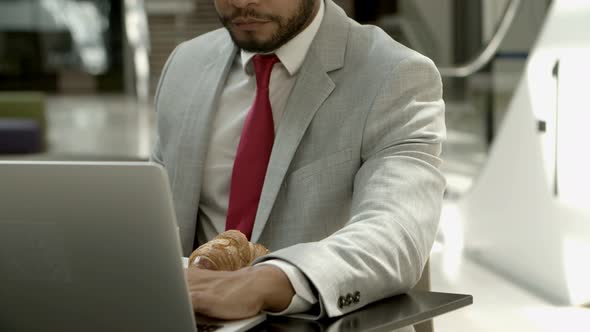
x=312, y=88
x=196, y=133
x=310, y=91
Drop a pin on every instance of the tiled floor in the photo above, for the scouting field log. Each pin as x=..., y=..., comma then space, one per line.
x=110, y=127
x=499, y=305
x=116, y=128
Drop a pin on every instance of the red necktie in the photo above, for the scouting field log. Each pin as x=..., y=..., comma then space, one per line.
x=253, y=153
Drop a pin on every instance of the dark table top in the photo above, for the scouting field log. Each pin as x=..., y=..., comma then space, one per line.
x=386, y=315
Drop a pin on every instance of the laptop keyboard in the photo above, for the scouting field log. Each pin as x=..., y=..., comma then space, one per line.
x=208, y=327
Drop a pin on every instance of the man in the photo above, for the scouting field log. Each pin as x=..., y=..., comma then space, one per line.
x=325, y=149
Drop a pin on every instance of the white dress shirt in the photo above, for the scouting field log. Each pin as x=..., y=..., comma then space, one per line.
x=235, y=102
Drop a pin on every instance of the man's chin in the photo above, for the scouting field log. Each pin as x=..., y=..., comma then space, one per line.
x=254, y=45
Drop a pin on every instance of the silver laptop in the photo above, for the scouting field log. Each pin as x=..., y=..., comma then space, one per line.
x=92, y=247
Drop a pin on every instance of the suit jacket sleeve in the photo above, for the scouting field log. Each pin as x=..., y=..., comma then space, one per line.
x=396, y=201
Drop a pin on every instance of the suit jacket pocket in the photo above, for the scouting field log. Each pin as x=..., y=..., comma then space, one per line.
x=304, y=171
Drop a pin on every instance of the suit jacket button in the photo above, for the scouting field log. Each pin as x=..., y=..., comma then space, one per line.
x=357, y=297
x=349, y=299
x=341, y=302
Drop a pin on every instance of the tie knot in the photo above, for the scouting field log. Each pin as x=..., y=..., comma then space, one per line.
x=263, y=67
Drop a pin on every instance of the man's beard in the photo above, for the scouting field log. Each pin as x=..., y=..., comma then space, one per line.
x=287, y=28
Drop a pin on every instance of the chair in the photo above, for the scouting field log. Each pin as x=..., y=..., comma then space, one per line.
x=22, y=122
x=20, y=136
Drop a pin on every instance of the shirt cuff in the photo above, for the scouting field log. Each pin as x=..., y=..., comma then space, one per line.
x=304, y=299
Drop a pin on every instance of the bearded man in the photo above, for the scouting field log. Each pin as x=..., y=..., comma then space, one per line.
x=316, y=137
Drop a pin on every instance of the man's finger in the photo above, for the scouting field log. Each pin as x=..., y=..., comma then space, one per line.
x=206, y=304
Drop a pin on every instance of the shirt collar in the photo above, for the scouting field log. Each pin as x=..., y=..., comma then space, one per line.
x=293, y=52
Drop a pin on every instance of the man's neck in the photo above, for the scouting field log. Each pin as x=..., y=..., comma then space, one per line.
x=316, y=9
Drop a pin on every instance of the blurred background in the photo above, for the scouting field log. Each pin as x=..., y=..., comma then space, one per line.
x=77, y=79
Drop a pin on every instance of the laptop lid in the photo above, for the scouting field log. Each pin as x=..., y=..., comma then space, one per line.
x=89, y=247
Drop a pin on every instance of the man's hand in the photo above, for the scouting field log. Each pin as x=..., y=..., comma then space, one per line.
x=239, y=294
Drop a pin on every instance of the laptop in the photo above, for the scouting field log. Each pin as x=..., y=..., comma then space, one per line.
x=93, y=247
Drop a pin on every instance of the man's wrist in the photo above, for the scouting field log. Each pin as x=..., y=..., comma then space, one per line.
x=274, y=287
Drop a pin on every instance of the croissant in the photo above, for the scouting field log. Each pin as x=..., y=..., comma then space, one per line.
x=229, y=251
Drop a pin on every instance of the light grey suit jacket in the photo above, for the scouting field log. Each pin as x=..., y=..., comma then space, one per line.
x=353, y=192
